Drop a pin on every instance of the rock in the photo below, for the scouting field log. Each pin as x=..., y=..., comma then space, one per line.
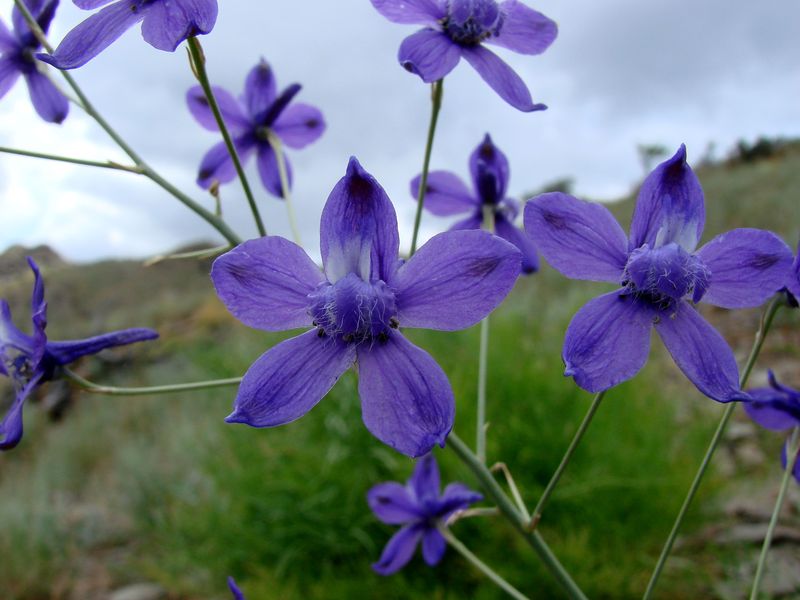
x=739, y=431
x=139, y=591
x=753, y=533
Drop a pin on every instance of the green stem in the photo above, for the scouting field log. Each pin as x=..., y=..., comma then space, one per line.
x=512, y=485
x=198, y=59
x=483, y=358
x=537, y=512
x=147, y=391
x=147, y=171
x=436, y=105
x=74, y=161
x=792, y=450
x=482, y=567
x=766, y=323
x=197, y=254
x=512, y=514
x=277, y=148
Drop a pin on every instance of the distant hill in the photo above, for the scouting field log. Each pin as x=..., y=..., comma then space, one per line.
x=12, y=261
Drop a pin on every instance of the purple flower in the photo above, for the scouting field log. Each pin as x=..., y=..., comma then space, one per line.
x=261, y=111
x=420, y=509
x=778, y=408
x=355, y=310
x=237, y=593
x=447, y=195
x=458, y=28
x=30, y=360
x=792, y=286
x=165, y=24
x=17, y=49
x=660, y=277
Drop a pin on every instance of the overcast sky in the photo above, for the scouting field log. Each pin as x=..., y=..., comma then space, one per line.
x=622, y=72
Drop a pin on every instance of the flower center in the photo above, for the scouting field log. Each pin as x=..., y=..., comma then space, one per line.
x=469, y=22
x=665, y=275
x=353, y=310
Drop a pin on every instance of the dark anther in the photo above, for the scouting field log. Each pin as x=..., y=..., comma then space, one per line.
x=347, y=338
x=383, y=337
x=320, y=333
x=394, y=323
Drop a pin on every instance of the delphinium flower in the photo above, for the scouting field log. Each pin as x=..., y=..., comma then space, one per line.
x=421, y=509
x=31, y=360
x=793, y=281
x=778, y=408
x=660, y=275
x=447, y=195
x=17, y=49
x=237, y=593
x=459, y=28
x=261, y=112
x=165, y=24
x=355, y=310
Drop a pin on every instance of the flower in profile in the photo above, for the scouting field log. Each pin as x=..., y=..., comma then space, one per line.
x=447, y=195
x=459, y=28
x=660, y=276
x=237, y=593
x=17, y=49
x=778, y=408
x=31, y=360
x=262, y=112
x=421, y=509
x=165, y=24
x=355, y=310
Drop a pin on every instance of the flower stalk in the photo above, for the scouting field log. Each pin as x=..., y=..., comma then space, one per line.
x=483, y=352
x=94, y=388
x=75, y=161
x=286, y=190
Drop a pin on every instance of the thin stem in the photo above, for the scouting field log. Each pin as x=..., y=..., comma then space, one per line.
x=436, y=105
x=198, y=59
x=147, y=391
x=576, y=440
x=512, y=485
x=74, y=161
x=197, y=254
x=758, y=343
x=791, y=454
x=147, y=171
x=483, y=357
x=468, y=513
x=481, y=566
x=517, y=519
x=286, y=190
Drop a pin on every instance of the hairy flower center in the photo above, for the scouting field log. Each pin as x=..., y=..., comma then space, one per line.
x=469, y=22
x=354, y=310
x=665, y=275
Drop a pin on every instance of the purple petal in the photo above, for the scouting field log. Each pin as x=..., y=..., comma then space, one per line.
x=670, y=206
x=260, y=89
x=490, y=171
x=456, y=496
x=433, y=547
x=167, y=24
x=42, y=10
x=793, y=279
x=237, y=593
x=11, y=336
x=11, y=425
x=232, y=113
x=299, y=125
x=288, y=380
x=393, y=504
x=67, y=352
x=508, y=231
x=524, y=30
x=446, y=194
x=268, y=171
x=265, y=283
x=96, y=33
x=501, y=78
x=38, y=314
x=48, y=101
x=8, y=42
x=701, y=353
x=769, y=410
x=411, y=12
x=747, y=267
x=406, y=400
x=358, y=231
x=608, y=341
x=399, y=550
x=429, y=54
x=91, y=4
x=579, y=239
x=425, y=478
x=474, y=221
x=217, y=165
x=9, y=73
x=455, y=280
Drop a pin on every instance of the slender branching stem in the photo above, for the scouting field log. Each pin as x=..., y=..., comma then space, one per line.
x=483, y=361
x=147, y=391
x=576, y=440
x=514, y=516
x=74, y=161
x=469, y=513
x=436, y=105
x=512, y=485
x=480, y=565
x=198, y=61
x=197, y=255
x=761, y=334
x=286, y=190
x=792, y=450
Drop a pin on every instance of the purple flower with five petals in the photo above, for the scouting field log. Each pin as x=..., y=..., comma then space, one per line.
x=30, y=360
x=165, y=24
x=237, y=593
x=355, y=310
x=458, y=28
x=448, y=195
x=17, y=49
x=262, y=111
x=420, y=509
x=660, y=275
x=778, y=408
